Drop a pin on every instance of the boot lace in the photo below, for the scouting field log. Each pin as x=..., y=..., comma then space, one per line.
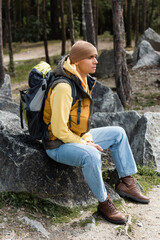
x=111, y=205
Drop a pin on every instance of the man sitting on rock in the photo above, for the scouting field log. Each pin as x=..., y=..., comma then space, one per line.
x=72, y=142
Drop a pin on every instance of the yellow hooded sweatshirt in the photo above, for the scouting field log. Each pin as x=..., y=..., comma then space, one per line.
x=61, y=103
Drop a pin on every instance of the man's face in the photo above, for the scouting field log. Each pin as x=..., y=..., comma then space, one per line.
x=87, y=65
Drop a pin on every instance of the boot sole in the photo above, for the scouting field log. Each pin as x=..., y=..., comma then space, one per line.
x=112, y=221
x=123, y=194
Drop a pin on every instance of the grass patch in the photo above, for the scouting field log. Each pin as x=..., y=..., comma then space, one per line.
x=105, y=35
x=22, y=70
x=92, y=208
x=147, y=177
x=83, y=223
x=148, y=100
x=34, y=204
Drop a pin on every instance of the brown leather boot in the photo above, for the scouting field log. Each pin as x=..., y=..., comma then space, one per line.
x=128, y=188
x=109, y=211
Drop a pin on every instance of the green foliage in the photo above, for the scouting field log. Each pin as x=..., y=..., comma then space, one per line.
x=27, y=25
x=22, y=70
x=150, y=99
x=105, y=35
x=77, y=25
x=105, y=16
x=34, y=204
x=83, y=223
x=147, y=177
x=147, y=170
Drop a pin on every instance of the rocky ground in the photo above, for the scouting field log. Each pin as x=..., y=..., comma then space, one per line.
x=143, y=220
x=143, y=223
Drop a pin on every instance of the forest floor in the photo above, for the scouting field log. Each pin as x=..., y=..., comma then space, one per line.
x=143, y=220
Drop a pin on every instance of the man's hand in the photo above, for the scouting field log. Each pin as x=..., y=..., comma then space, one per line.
x=94, y=145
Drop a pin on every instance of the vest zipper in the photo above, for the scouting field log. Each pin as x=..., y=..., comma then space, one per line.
x=89, y=118
x=70, y=120
x=79, y=111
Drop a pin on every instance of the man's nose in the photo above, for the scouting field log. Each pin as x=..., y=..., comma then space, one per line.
x=95, y=60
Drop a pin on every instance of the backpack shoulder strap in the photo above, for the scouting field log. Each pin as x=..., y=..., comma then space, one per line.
x=63, y=79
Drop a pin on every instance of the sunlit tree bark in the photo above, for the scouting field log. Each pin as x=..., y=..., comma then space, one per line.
x=136, y=22
x=71, y=23
x=11, y=62
x=122, y=79
x=63, y=28
x=45, y=32
x=90, y=29
x=1, y=48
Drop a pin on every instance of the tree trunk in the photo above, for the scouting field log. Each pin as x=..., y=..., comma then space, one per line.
x=83, y=22
x=151, y=14
x=63, y=29
x=122, y=78
x=11, y=63
x=95, y=17
x=90, y=29
x=55, y=19
x=45, y=32
x=144, y=15
x=1, y=48
x=71, y=23
x=128, y=24
x=20, y=20
x=38, y=16
x=14, y=20
x=136, y=22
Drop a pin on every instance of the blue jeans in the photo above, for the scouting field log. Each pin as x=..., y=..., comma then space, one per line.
x=89, y=158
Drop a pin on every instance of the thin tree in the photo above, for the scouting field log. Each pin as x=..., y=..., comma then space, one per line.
x=1, y=48
x=122, y=79
x=144, y=10
x=63, y=28
x=14, y=19
x=71, y=22
x=128, y=23
x=38, y=17
x=136, y=21
x=95, y=18
x=151, y=14
x=54, y=8
x=11, y=62
x=45, y=32
x=20, y=4
x=90, y=29
x=83, y=23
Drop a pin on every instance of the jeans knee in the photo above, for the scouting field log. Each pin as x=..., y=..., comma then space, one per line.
x=92, y=158
x=121, y=133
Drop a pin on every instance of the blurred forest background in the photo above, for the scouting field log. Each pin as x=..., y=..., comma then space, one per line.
x=27, y=18
x=41, y=22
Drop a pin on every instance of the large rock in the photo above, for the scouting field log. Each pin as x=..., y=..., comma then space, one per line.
x=5, y=90
x=145, y=55
x=152, y=37
x=145, y=140
x=105, y=100
x=127, y=120
x=143, y=133
x=24, y=167
x=105, y=66
x=106, y=63
x=6, y=102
